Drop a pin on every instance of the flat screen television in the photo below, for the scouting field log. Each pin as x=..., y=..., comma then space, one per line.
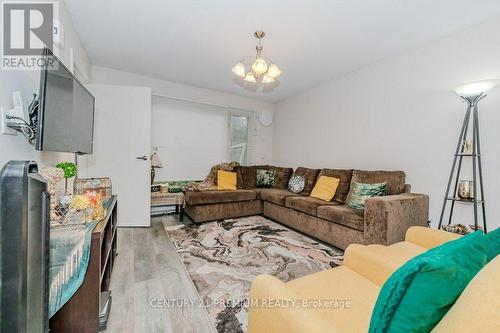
x=66, y=110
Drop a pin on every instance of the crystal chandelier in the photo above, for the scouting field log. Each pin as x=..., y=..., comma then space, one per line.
x=261, y=70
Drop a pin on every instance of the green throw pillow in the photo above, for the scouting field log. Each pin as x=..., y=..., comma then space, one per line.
x=265, y=178
x=493, y=243
x=418, y=295
x=360, y=192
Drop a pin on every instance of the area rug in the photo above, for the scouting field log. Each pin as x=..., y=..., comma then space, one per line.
x=223, y=257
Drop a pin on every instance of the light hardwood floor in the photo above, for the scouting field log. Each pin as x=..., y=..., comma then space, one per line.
x=146, y=269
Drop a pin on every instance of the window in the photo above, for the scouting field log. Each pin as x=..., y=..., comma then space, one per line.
x=238, y=136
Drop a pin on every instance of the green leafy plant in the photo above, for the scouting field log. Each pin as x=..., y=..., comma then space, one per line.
x=69, y=171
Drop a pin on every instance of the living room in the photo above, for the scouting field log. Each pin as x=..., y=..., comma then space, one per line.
x=319, y=166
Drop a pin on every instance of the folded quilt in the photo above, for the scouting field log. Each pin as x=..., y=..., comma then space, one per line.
x=210, y=181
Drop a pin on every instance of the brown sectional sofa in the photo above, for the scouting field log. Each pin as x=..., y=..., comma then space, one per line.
x=384, y=220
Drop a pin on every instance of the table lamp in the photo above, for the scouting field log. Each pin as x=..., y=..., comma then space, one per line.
x=155, y=163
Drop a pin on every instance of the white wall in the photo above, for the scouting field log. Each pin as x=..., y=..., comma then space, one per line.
x=27, y=82
x=400, y=114
x=73, y=50
x=190, y=138
x=262, y=136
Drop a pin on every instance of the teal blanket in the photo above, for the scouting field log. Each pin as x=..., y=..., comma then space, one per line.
x=69, y=259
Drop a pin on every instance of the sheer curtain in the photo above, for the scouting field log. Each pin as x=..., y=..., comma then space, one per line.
x=241, y=136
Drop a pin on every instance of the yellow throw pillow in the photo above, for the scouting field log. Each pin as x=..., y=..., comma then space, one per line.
x=226, y=180
x=325, y=188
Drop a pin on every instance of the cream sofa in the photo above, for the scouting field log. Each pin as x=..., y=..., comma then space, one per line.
x=358, y=283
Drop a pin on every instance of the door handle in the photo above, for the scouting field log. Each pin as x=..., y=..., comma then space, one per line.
x=143, y=157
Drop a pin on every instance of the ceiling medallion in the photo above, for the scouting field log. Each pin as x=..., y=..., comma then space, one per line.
x=261, y=70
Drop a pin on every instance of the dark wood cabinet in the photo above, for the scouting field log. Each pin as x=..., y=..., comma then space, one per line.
x=81, y=313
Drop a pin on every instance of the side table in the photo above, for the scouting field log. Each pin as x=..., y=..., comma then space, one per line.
x=169, y=199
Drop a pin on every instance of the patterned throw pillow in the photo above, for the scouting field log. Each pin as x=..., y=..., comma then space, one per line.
x=296, y=184
x=265, y=178
x=361, y=192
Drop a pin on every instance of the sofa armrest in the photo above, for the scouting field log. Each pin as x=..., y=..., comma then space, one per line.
x=388, y=218
x=429, y=238
x=264, y=317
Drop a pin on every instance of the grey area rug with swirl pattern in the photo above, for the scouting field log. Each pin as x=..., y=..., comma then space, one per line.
x=223, y=257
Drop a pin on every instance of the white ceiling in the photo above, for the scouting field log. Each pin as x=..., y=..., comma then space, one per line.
x=197, y=42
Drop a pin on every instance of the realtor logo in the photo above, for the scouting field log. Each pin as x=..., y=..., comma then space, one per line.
x=27, y=28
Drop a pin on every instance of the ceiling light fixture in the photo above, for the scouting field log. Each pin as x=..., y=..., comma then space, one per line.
x=261, y=70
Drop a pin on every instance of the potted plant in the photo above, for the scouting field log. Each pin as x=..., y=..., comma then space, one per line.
x=69, y=171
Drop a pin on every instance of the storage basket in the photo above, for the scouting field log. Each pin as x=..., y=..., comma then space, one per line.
x=100, y=186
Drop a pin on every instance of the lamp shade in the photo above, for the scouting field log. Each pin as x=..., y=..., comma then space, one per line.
x=259, y=66
x=239, y=69
x=155, y=161
x=273, y=71
x=250, y=78
x=268, y=79
x=476, y=88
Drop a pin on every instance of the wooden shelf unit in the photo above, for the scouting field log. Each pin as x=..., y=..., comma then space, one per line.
x=81, y=313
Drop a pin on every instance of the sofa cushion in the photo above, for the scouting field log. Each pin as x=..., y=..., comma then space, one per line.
x=395, y=180
x=240, y=184
x=339, y=283
x=223, y=210
x=310, y=176
x=247, y=177
x=296, y=184
x=493, y=243
x=477, y=307
x=281, y=177
x=360, y=192
x=325, y=188
x=258, y=191
x=307, y=205
x=427, y=237
x=419, y=294
x=345, y=181
x=343, y=215
x=377, y=262
x=226, y=180
x=265, y=178
x=211, y=197
x=276, y=196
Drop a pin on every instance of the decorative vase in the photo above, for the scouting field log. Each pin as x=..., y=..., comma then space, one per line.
x=465, y=189
x=467, y=147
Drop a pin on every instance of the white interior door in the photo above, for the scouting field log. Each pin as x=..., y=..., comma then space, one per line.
x=122, y=136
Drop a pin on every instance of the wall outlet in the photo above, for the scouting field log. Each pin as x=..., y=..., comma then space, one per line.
x=3, y=123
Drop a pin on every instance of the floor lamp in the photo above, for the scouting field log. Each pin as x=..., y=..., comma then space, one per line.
x=471, y=93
